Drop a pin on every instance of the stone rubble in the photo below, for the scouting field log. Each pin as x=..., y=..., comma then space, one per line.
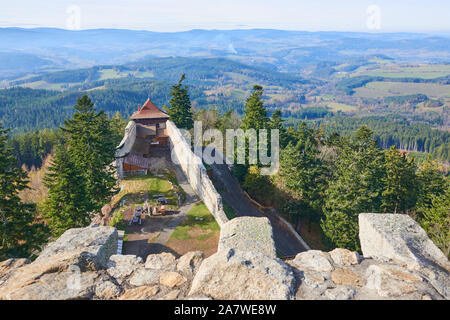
x=82, y=264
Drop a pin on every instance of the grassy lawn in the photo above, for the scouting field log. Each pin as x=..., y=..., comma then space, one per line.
x=136, y=189
x=199, y=231
x=198, y=220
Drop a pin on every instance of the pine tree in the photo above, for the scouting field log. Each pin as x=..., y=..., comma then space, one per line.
x=303, y=173
x=400, y=193
x=436, y=221
x=355, y=188
x=431, y=183
x=20, y=233
x=180, y=106
x=68, y=205
x=255, y=112
x=256, y=118
x=276, y=122
x=91, y=143
x=117, y=124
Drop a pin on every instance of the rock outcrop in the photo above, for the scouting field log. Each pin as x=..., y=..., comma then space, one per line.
x=97, y=243
x=398, y=262
x=66, y=269
x=398, y=238
x=248, y=234
x=254, y=275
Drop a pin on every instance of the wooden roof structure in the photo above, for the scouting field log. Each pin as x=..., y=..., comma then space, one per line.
x=137, y=160
x=149, y=111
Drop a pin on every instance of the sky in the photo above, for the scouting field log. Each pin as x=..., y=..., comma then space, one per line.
x=178, y=15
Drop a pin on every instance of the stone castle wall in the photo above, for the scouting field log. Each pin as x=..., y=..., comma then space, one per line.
x=124, y=147
x=195, y=172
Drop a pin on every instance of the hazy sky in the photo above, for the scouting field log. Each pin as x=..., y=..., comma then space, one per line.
x=176, y=15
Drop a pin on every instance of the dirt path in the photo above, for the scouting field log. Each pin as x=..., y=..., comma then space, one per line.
x=285, y=242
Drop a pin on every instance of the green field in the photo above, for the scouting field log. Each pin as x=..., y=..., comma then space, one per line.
x=337, y=106
x=380, y=89
x=109, y=74
x=422, y=71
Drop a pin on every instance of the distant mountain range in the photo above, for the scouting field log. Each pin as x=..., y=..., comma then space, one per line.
x=24, y=51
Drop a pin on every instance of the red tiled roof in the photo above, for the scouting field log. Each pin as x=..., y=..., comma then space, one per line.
x=149, y=111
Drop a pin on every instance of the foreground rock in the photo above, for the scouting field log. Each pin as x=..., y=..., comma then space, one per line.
x=66, y=269
x=140, y=293
x=172, y=279
x=248, y=234
x=8, y=267
x=121, y=266
x=190, y=262
x=99, y=243
x=162, y=261
x=237, y=274
x=399, y=262
x=398, y=238
x=314, y=260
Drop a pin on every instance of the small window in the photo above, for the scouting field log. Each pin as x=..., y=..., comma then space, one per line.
x=162, y=125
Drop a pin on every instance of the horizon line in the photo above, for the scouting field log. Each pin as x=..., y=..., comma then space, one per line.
x=447, y=32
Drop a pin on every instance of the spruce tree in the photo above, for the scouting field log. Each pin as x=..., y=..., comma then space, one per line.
x=68, y=205
x=255, y=112
x=400, y=193
x=355, y=188
x=180, y=106
x=436, y=221
x=255, y=117
x=117, y=124
x=20, y=233
x=91, y=143
x=276, y=122
x=431, y=183
x=303, y=173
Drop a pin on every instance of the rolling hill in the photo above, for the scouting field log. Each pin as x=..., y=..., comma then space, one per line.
x=280, y=50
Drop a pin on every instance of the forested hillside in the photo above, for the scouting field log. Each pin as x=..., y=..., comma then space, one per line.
x=396, y=131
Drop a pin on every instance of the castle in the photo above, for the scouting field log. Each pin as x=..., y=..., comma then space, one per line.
x=146, y=131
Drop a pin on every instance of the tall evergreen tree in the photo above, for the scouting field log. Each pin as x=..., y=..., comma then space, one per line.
x=303, y=173
x=255, y=117
x=436, y=221
x=355, y=188
x=180, y=106
x=68, y=205
x=91, y=143
x=20, y=233
x=255, y=112
x=400, y=193
x=276, y=122
x=431, y=184
x=118, y=124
